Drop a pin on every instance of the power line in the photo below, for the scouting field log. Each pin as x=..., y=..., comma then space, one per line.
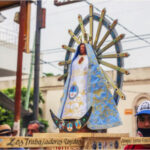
x=52, y=49
x=50, y=52
x=138, y=35
x=49, y=63
x=55, y=61
x=130, y=49
x=147, y=36
x=136, y=48
x=120, y=24
x=132, y=40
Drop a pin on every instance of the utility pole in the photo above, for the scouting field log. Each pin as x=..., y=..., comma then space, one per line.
x=40, y=23
x=37, y=59
x=21, y=46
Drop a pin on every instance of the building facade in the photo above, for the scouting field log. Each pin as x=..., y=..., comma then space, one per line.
x=135, y=86
x=9, y=54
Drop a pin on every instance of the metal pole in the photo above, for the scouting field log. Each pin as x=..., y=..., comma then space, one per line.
x=21, y=44
x=37, y=59
x=30, y=78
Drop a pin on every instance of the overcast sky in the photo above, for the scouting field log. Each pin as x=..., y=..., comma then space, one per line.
x=131, y=14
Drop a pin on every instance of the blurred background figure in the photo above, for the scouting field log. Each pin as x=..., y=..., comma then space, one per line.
x=5, y=130
x=35, y=127
x=143, y=124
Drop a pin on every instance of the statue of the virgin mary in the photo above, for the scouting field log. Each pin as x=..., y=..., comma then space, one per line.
x=85, y=87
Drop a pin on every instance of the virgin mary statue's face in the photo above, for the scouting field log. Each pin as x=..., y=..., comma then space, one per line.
x=82, y=49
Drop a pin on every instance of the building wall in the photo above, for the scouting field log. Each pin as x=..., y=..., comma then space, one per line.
x=8, y=60
x=135, y=86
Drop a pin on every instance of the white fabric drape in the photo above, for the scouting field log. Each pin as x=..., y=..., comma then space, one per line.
x=76, y=105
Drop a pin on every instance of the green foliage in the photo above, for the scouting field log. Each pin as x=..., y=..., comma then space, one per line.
x=7, y=116
x=23, y=99
x=44, y=122
x=10, y=92
x=48, y=74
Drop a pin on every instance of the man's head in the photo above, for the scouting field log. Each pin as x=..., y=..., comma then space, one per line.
x=34, y=127
x=144, y=108
x=5, y=130
x=143, y=119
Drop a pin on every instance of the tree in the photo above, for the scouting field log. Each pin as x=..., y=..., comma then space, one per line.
x=48, y=74
x=6, y=116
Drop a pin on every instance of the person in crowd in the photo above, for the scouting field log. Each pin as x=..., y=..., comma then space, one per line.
x=143, y=125
x=35, y=127
x=5, y=130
